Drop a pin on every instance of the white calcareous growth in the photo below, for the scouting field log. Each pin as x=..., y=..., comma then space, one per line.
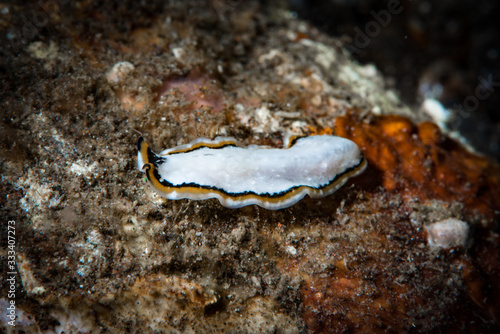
x=119, y=71
x=448, y=233
x=238, y=176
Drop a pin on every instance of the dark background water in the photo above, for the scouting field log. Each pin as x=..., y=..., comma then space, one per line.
x=443, y=49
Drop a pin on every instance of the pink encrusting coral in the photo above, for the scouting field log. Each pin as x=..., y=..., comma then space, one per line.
x=199, y=90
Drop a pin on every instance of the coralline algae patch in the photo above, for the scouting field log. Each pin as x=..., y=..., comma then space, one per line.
x=419, y=161
x=192, y=98
x=196, y=87
x=195, y=100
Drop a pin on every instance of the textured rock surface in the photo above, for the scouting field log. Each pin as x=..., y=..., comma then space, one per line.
x=98, y=251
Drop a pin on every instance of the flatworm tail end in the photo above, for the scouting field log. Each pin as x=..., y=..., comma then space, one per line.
x=340, y=180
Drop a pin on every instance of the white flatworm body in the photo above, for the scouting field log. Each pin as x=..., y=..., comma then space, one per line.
x=269, y=177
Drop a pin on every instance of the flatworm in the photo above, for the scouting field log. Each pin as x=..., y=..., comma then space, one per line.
x=269, y=177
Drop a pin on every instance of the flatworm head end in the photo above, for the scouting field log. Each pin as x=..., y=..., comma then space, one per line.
x=145, y=157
